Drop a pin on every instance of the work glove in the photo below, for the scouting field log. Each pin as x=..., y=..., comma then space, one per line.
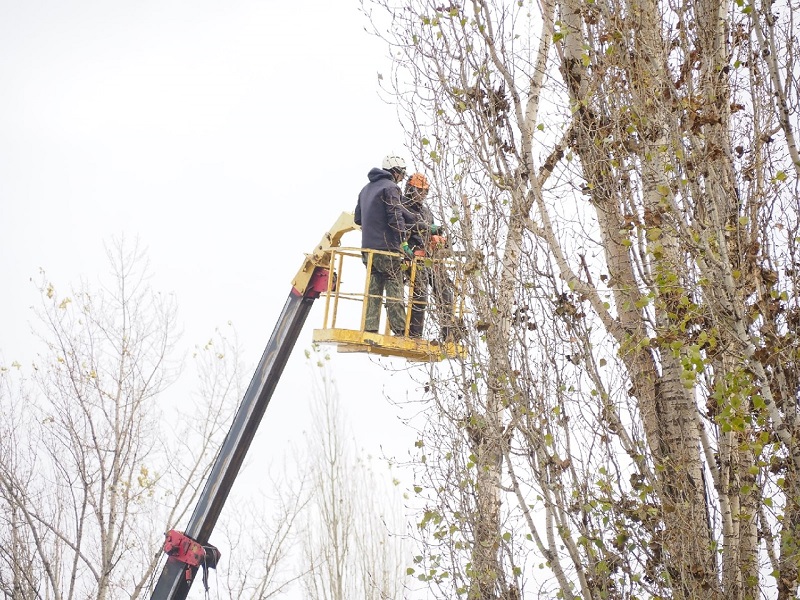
x=407, y=251
x=436, y=229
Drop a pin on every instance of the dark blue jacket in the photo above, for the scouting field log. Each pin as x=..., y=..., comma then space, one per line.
x=380, y=213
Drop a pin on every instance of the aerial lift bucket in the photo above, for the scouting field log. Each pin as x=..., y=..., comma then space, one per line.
x=346, y=296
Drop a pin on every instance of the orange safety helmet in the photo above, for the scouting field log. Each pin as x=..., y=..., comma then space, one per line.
x=418, y=180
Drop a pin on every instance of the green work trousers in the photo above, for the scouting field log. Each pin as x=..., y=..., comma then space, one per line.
x=435, y=277
x=386, y=276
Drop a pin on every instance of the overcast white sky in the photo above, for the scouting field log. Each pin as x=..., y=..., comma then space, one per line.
x=227, y=136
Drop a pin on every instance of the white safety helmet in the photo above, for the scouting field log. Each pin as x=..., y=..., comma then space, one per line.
x=392, y=161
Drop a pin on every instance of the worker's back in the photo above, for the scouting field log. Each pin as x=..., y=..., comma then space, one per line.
x=379, y=212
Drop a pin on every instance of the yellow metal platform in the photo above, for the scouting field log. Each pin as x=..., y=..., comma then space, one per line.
x=347, y=293
x=413, y=349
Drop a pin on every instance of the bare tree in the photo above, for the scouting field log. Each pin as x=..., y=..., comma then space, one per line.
x=623, y=177
x=88, y=477
x=354, y=534
x=262, y=544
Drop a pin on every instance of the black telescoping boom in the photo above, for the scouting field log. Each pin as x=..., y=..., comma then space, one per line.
x=177, y=576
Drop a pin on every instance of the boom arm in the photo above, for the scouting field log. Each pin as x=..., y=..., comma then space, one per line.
x=175, y=580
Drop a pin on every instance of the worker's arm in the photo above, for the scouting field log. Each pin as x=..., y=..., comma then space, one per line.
x=395, y=212
x=357, y=214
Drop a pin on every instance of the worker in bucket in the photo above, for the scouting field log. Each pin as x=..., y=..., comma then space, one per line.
x=380, y=213
x=426, y=243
